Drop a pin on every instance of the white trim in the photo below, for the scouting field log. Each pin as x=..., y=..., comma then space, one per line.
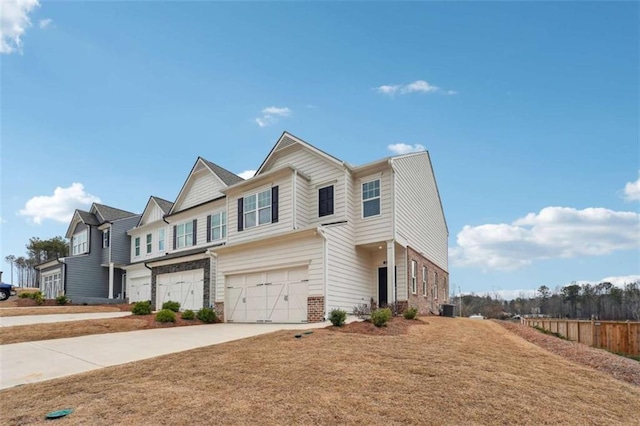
x=414, y=277
x=326, y=183
x=379, y=198
x=184, y=235
x=257, y=209
x=85, y=250
x=272, y=267
x=225, y=224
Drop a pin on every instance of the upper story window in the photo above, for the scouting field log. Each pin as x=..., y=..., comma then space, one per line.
x=258, y=209
x=414, y=284
x=217, y=226
x=149, y=243
x=424, y=280
x=184, y=235
x=371, y=198
x=106, y=235
x=325, y=201
x=137, y=246
x=161, y=239
x=79, y=243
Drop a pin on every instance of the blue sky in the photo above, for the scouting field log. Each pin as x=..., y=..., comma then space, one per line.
x=529, y=111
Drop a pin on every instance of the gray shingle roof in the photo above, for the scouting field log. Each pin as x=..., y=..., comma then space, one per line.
x=225, y=175
x=164, y=204
x=111, y=213
x=88, y=218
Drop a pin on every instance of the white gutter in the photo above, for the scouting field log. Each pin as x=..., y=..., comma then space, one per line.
x=325, y=270
x=294, y=184
x=212, y=294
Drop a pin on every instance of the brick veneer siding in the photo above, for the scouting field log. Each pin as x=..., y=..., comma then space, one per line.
x=181, y=267
x=219, y=308
x=426, y=304
x=315, y=308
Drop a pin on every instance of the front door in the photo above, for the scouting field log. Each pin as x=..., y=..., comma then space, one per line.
x=382, y=286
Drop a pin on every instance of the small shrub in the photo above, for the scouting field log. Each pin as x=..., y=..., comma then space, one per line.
x=62, y=300
x=188, y=315
x=141, y=308
x=166, y=315
x=380, y=317
x=38, y=297
x=171, y=305
x=362, y=311
x=410, y=313
x=25, y=295
x=207, y=315
x=337, y=317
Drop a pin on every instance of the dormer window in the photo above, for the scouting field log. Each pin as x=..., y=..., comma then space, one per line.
x=79, y=243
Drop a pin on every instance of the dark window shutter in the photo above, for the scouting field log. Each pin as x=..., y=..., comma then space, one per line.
x=175, y=236
x=240, y=213
x=274, y=204
x=325, y=201
x=195, y=232
x=209, y=228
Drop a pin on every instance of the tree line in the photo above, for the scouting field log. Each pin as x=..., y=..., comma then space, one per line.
x=38, y=251
x=602, y=301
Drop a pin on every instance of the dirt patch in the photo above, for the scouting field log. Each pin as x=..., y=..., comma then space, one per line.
x=453, y=371
x=616, y=366
x=35, y=332
x=30, y=308
x=396, y=326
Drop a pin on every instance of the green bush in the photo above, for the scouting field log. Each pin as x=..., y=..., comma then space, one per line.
x=141, y=308
x=380, y=317
x=25, y=295
x=166, y=315
x=207, y=315
x=38, y=297
x=188, y=315
x=410, y=313
x=337, y=317
x=62, y=300
x=171, y=305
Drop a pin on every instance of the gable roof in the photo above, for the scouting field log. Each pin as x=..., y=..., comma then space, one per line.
x=226, y=177
x=88, y=218
x=287, y=139
x=164, y=205
x=110, y=213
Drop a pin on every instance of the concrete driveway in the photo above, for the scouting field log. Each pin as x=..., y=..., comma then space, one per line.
x=30, y=362
x=42, y=319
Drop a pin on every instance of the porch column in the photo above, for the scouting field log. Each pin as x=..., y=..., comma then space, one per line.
x=391, y=269
x=110, y=280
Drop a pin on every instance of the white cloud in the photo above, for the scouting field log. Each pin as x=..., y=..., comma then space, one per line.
x=418, y=86
x=403, y=148
x=59, y=206
x=632, y=190
x=554, y=232
x=45, y=23
x=618, y=281
x=270, y=115
x=247, y=174
x=513, y=294
x=14, y=21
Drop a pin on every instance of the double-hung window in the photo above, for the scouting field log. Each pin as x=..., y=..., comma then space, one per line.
x=105, y=238
x=325, y=201
x=217, y=226
x=414, y=285
x=435, y=286
x=149, y=243
x=184, y=235
x=79, y=243
x=137, y=246
x=257, y=209
x=371, y=198
x=424, y=280
x=161, y=240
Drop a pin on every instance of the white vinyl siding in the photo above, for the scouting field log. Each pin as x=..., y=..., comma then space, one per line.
x=152, y=214
x=201, y=187
x=79, y=243
x=419, y=216
x=271, y=256
x=375, y=228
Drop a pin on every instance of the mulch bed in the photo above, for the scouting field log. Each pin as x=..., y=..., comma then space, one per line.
x=619, y=367
x=27, y=303
x=395, y=327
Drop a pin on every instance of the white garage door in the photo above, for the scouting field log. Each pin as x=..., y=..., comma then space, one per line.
x=184, y=287
x=271, y=296
x=139, y=289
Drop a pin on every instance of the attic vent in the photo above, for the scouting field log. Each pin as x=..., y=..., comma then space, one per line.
x=286, y=141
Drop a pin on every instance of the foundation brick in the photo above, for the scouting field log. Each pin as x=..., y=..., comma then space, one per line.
x=426, y=304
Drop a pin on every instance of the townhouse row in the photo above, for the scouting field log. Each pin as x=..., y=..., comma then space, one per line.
x=307, y=234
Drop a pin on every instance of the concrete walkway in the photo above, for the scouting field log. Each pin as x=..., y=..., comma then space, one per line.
x=22, y=363
x=43, y=319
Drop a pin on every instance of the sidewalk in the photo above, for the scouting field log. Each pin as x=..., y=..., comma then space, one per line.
x=43, y=319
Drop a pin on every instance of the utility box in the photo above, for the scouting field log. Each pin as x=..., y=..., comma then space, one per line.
x=446, y=310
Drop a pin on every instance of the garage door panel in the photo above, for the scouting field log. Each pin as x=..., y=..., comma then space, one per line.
x=186, y=287
x=139, y=289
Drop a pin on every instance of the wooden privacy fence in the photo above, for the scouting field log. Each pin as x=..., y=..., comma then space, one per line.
x=614, y=336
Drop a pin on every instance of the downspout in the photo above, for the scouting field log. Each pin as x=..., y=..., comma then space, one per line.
x=64, y=274
x=393, y=233
x=212, y=294
x=325, y=269
x=294, y=184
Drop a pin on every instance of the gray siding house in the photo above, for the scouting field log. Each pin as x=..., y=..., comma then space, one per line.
x=99, y=249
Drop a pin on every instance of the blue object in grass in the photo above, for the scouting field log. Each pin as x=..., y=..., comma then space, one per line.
x=59, y=413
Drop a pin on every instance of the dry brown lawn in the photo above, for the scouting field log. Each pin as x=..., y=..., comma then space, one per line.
x=60, y=330
x=449, y=371
x=13, y=311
